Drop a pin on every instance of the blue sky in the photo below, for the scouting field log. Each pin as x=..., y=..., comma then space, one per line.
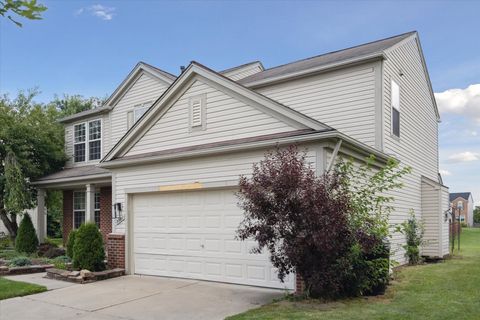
x=87, y=48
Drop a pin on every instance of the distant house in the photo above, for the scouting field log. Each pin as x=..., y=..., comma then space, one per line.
x=462, y=204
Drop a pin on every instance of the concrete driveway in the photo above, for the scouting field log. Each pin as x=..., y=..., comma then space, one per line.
x=135, y=297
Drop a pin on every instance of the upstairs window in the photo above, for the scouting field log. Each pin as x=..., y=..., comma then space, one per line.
x=87, y=146
x=79, y=142
x=395, y=100
x=137, y=113
x=197, y=112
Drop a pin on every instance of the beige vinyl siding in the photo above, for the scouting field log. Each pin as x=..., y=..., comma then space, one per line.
x=445, y=196
x=417, y=146
x=106, y=145
x=226, y=118
x=145, y=89
x=227, y=167
x=343, y=99
x=244, y=72
x=431, y=198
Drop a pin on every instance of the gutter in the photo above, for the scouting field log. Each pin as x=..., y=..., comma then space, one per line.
x=72, y=179
x=357, y=146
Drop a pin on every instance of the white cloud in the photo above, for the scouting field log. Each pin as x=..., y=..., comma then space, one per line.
x=460, y=101
x=445, y=172
x=99, y=11
x=466, y=156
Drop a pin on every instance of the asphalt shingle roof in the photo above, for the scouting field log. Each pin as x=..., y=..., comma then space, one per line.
x=455, y=195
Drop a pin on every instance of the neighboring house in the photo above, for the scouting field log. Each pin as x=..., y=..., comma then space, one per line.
x=164, y=154
x=462, y=205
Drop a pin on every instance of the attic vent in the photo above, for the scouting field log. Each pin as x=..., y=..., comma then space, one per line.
x=197, y=110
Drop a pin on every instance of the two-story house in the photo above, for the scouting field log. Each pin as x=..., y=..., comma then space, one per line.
x=157, y=166
x=462, y=205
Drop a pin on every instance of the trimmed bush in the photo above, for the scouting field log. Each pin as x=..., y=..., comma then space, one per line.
x=88, y=251
x=70, y=243
x=20, y=262
x=60, y=262
x=26, y=240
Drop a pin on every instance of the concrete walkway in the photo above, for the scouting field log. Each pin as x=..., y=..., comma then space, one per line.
x=138, y=297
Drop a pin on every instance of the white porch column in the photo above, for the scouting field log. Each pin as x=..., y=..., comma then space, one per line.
x=41, y=215
x=90, y=203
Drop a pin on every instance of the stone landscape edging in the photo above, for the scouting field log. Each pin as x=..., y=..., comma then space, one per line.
x=87, y=277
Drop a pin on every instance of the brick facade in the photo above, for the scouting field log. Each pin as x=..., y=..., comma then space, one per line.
x=299, y=285
x=105, y=212
x=67, y=214
x=116, y=250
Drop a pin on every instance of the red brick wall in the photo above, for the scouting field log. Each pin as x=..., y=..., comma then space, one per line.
x=67, y=223
x=299, y=285
x=116, y=250
x=105, y=212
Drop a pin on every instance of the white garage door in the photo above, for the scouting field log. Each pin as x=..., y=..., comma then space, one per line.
x=192, y=235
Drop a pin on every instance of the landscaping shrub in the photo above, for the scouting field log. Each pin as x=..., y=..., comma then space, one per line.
x=20, y=262
x=70, y=243
x=413, y=231
x=88, y=251
x=26, y=240
x=61, y=262
x=329, y=229
x=5, y=242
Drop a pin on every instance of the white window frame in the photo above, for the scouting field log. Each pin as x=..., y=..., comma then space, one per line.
x=78, y=210
x=87, y=140
x=396, y=107
x=132, y=115
x=97, y=210
x=202, y=99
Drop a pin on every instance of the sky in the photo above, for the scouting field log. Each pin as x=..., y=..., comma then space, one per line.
x=87, y=48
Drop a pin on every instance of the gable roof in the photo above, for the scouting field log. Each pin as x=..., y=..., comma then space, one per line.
x=373, y=49
x=245, y=65
x=162, y=104
x=139, y=69
x=464, y=195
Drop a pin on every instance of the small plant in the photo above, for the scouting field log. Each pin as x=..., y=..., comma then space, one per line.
x=61, y=262
x=413, y=229
x=463, y=224
x=88, y=251
x=26, y=241
x=70, y=243
x=20, y=262
x=5, y=242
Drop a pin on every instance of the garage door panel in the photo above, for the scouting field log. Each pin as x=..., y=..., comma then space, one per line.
x=192, y=235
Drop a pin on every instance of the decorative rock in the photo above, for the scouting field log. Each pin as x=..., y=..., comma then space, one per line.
x=74, y=274
x=86, y=274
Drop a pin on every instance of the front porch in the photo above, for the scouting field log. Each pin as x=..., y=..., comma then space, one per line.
x=87, y=197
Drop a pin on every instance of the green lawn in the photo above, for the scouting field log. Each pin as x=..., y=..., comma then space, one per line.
x=10, y=289
x=449, y=290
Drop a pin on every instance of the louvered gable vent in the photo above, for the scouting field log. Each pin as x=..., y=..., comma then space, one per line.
x=196, y=112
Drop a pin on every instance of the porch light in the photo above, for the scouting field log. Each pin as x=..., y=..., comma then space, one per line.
x=117, y=211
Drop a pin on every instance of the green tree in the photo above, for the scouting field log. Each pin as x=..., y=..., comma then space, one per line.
x=476, y=214
x=32, y=145
x=71, y=104
x=28, y=9
x=27, y=241
x=88, y=251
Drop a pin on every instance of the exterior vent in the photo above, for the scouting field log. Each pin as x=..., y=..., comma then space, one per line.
x=197, y=112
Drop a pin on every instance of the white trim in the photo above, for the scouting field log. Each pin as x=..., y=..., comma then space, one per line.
x=87, y=140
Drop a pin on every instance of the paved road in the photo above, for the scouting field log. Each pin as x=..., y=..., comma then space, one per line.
x=135, y=298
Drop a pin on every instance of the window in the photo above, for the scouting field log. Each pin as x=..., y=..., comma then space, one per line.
x=462, y=218
x=90, y=144
x=395, y=100
x=79, y=142
x=78, y=208
x=137, y=112
x=97, y=209
x=197, y=112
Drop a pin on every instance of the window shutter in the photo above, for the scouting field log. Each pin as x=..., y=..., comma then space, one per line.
x=196, y=112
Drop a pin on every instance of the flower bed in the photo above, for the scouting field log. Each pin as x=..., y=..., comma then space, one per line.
x=83, y=276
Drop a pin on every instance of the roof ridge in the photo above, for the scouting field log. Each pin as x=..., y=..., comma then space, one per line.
x=168, y=74
x=241, y=66
x=344, y=49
